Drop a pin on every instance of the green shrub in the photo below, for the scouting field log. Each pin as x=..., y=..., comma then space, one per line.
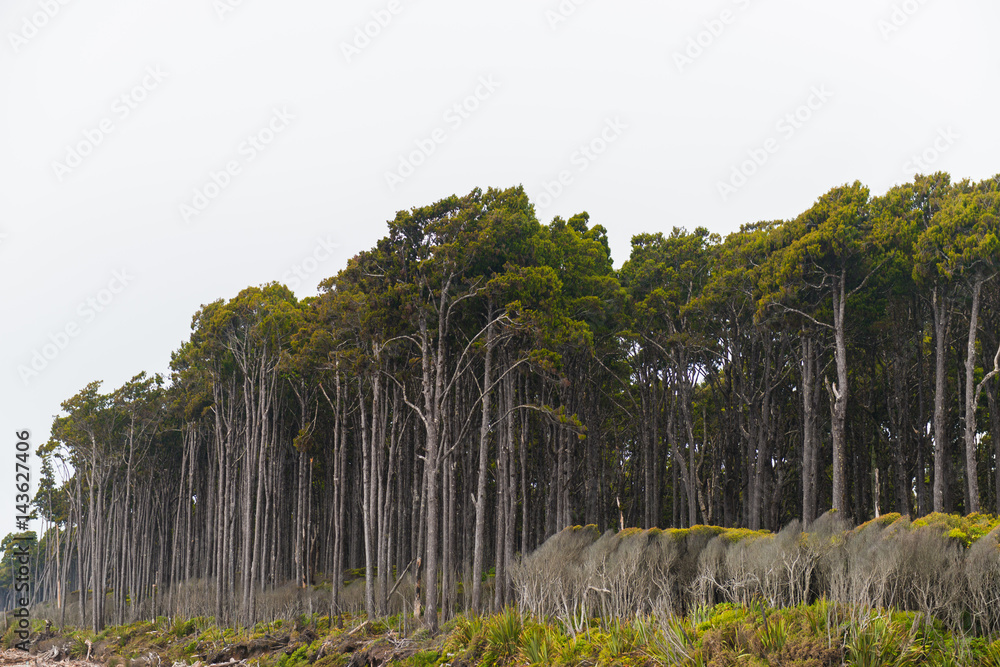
x=467, y=629
x=503, y=637
x=423, y=659
x=333, y=660
x=991, y=655
x=298, y=658
x=773, y=635
x=183, y=628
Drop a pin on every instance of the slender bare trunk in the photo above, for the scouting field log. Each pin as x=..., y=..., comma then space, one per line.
x=810, y=444
x=971, y=459
x=484, y=431
x=838, y=396
x=941, y=320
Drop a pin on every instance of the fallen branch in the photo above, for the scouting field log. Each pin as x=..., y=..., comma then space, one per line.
x=233, y=661
x=360, y=627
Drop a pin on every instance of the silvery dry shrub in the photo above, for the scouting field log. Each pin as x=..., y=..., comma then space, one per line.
x=859, y=566
x=692, y=542
x=874, y=554
x=551, y=579
x=982, y=580
x=748, y=564
x=617, y=575
x=665, y=593
x=798, y=560
x=775, y=568
x=633, y=572
x=710, y=585
x=885, y=563
x=613, y=572
x=931, y=573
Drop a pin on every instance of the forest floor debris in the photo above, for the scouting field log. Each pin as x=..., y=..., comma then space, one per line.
x=18, y=658
x=821, y=634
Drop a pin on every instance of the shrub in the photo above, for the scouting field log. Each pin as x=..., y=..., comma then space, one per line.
x=333, y=660
x=503, y=637
x=183, y=628
x=943, y=566
x=982, y=583
x=930, y=574
x=539, y=646
x=550, y=580
x=467, y=630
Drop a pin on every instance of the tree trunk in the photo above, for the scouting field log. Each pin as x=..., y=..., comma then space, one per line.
x=923, y=501
x=810, y=443
x=971, y=467
x=991, y=397
x=511, y=489
x=941, y=320
x=484, y=431
x=838, y=392
x=368, y=502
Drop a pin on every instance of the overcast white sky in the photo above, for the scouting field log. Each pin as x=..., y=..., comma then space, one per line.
x=157, y=155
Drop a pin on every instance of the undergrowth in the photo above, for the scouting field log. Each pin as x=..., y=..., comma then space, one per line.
x=891, y=592
x=821, y=634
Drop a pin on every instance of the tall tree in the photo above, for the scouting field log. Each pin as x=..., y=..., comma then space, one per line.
x=830, y=262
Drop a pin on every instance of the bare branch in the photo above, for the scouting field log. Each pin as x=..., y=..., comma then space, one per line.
x=799, y=312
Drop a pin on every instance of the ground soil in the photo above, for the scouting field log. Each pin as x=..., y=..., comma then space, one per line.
x=16, y=658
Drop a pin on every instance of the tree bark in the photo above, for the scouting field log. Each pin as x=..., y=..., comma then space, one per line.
x=941, y=321
x=839, y=395
x=484, y=431
x=810, y=442
x=971, y=459
x=991, y=397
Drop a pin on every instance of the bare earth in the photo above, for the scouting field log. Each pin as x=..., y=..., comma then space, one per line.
x=15, y=658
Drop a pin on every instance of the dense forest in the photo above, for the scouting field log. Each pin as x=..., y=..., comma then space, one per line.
x=478, y=381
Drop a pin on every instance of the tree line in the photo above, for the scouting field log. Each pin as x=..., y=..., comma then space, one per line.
x=479, y=380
